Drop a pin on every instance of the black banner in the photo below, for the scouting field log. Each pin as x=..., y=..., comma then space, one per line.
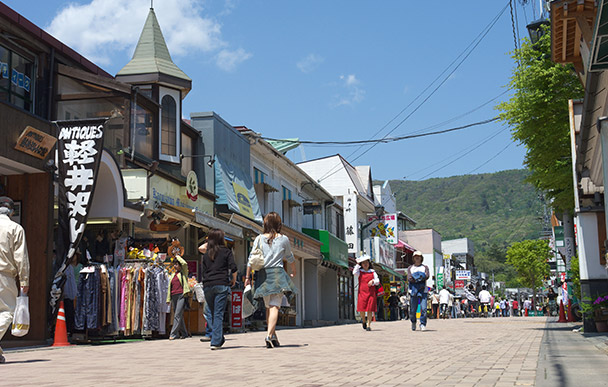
x=79, y=149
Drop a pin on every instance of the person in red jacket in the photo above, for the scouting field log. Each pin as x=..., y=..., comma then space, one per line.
x=366, y=299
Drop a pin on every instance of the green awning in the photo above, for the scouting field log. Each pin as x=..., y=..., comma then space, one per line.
x=286, y=145
x=391, y=271
x=334, y=249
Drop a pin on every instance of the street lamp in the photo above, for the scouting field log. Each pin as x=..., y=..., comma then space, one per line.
x=536, y=31
x=379, y=210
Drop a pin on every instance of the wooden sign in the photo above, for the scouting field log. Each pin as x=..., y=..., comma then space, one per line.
x=35, y=143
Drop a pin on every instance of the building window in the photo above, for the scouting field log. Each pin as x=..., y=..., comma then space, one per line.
x=169, y=126
x=286, y=207
x=259, y=176
x=16, y=79
x=143, y=132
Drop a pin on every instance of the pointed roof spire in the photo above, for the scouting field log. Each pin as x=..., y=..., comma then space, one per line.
x=152, y=56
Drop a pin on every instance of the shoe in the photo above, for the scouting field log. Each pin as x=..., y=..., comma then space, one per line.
x=268, y=342
x=275, y=341
x=205, y=339
x=413, y=326
x=2, y=359
x=215, y=347
x=422, y=327
x=364, y=325
x=172, y=338
x=368, y=329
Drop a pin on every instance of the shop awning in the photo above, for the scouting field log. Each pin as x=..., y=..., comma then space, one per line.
x=234, y=189
x=334, y=249
x=404, y=246
x=200, y=219
x=390, y=270
x=243, y=222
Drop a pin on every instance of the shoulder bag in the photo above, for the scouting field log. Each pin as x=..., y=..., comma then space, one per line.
x=256, y=258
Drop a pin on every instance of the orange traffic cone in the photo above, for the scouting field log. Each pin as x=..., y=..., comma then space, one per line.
x=562, y=315
x=570, y=315
x=61, y=331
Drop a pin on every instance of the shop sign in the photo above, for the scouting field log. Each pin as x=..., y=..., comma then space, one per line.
x=237, y=309
x=79, y=149
x=439, y=280
x=384, y=226
x=35, y=143
x=382, y=252
x=165, y=191
x=192, y=186
x=459, y=284
x=242, y=198
x=463, y=274
x=350, y=223
x=559, y=236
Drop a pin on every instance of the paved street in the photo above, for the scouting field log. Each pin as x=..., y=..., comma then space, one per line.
x=464, y=352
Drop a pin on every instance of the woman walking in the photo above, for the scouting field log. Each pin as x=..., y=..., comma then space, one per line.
x=178, y=290
x=366, y=299
x=219, y=275
x=272, y=282
x=417, y=274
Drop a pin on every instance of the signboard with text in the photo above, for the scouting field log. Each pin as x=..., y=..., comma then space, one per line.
x=236, y=311
x=463, y=274
x=384, y=226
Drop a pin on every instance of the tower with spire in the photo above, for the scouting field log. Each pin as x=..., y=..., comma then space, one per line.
x=157, y=77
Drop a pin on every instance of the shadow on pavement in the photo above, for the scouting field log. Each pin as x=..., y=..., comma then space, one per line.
x=27, y=361
x=557, y=328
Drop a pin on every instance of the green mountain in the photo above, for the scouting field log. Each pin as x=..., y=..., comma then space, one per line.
x=490, y=209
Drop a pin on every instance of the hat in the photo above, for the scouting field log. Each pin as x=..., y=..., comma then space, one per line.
x=363, y=258
x=418, y=252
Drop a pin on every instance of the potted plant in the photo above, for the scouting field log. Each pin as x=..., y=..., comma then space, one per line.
x=598, y=311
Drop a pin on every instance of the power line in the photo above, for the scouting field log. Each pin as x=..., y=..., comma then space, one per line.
x=385, y=139
x=466, y=154
x=493, y=157
x=472, y=47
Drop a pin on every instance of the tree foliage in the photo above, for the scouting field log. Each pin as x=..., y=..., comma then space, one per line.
x=538, y=115
x=529, y=258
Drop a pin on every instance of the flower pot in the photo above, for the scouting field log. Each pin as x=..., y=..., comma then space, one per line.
x=601, y=326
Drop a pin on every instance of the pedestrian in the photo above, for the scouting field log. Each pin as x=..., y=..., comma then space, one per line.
x=367, y=294
x=515, y=308
x=456, y=308
x=176, y=295
x=444, y=301
x=503, y=307
x=485, y=299
x=497, y=308
x=417, y=274
x=272, y=282
x=14, y=263
x=404, y=305
x=434, y=304
x=527, y=306
x=206, y=311
x=219, y=275
x=393, y=304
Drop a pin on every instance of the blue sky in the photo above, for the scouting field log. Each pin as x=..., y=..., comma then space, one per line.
x=324, y=70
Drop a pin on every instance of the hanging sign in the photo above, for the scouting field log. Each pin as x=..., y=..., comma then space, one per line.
x=79, y=148
x=35, y=143
x=384, y=226
x=463, y=274
x=192, y=186
x=236, y=310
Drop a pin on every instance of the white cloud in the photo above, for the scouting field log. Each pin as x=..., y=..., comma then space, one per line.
x=350, y=93
x=100, y=28
x=227, y=60
x=310, y=63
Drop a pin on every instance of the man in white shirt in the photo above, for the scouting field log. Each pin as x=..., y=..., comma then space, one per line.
x=444, y=300
x=14, y=262
x=485, y=298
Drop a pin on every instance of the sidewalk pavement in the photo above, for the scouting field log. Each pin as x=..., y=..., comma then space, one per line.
x=462, y=352
x=571, y=358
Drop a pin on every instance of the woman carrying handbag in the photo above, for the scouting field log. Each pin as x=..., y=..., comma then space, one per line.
x=272, y=281
x=368, y=293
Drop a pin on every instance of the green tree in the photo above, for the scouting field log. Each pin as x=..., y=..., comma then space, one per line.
x=529, y=258
x=538, y=115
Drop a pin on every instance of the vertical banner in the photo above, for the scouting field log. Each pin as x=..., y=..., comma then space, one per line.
x=237, y=308
x=351, y=228
x=79, y=148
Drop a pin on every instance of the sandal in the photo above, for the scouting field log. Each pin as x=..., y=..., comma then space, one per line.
x=275, y=341
x=269, y=343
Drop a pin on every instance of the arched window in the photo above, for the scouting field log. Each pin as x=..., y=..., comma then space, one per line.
x=168, y=126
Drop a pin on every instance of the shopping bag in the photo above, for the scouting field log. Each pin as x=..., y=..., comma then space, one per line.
x=256, y=257
x=248, y=304
x=21, y=319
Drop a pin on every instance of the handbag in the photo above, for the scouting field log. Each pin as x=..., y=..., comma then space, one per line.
x=256, y=257
x=379, y=290
x=21, y=318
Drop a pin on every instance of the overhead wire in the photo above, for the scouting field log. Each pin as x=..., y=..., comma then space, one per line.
x=472, y=47
x=492, y=158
